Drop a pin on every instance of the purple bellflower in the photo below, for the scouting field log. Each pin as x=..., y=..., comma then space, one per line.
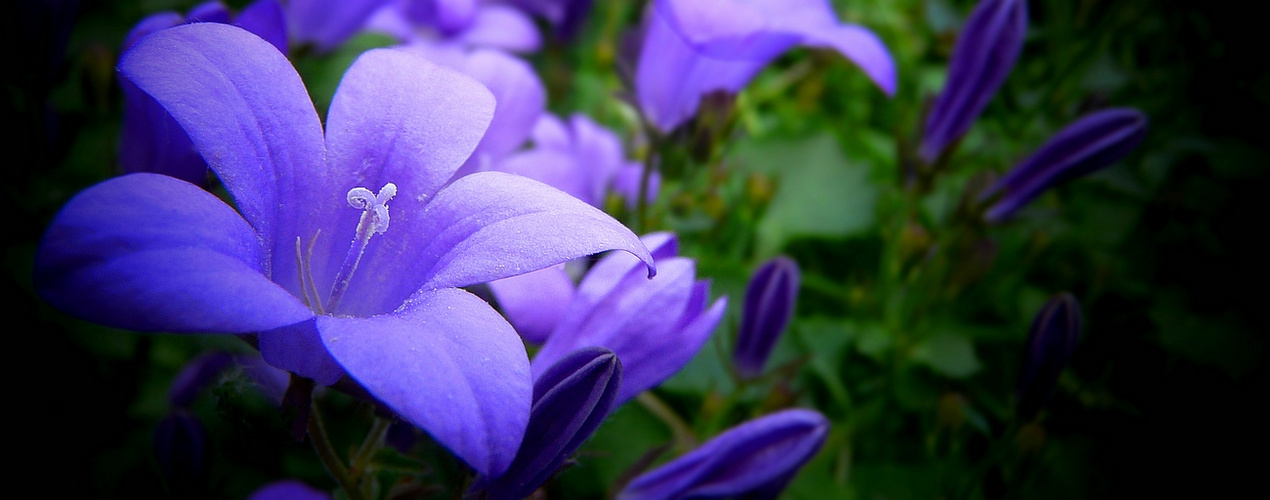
x=756, y=459
x=1089, y=144
x=694, y=47
x=985, y=53
x=581, y=158
x=466, y=23
x=308, y=262
x=571, y=399
x=654, y=326
x=1051, y=341
x=288, y=489
x=151, y=140
x=326, y=24
x=566, y=16
x=769, y=305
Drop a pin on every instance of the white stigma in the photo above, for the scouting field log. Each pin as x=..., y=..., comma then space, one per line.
x=374, y=221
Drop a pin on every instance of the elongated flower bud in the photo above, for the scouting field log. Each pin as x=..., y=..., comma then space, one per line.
x=755, y=459
x=985, y=53
x=1089, y=144
x=571, y=399
x=1050, y=344
x=769, y=304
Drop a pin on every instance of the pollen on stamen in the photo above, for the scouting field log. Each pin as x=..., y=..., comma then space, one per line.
x=375, y=205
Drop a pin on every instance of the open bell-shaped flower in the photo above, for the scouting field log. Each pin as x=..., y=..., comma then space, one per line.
x=756, y=459
x=309, y=262
x=769, y=305
x=985, y=53
x=571, y=399
x=1089, y=144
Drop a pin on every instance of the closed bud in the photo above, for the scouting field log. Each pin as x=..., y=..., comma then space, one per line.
x=985, y=53
x=769, y=305
x=1087, y=145
x=756, y=459
x=571, y=399
x=1051, y=341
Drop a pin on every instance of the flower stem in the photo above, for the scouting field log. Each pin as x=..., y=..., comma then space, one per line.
x=684, y=438
x=330, y=459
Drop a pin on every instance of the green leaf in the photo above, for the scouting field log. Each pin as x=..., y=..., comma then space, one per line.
x=949, y=354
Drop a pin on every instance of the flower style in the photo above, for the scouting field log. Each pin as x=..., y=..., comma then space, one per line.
x=581, y=158
x=983, y=57
x=1089, y=144
x=151, y=141
x=367, y=292
x=654, y=326
x=769, y=305
x=694, y=47
x=756, y=459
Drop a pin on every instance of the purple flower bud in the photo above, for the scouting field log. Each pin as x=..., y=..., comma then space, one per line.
x=190, y=381
x=1091, y=143
x=570, y=401
x=985, y=53
x=1050, y=343
x=180, y=444
x=757, y=458
x=769, y=304
x=288, y=489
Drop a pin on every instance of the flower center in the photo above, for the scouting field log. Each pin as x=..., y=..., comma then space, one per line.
x=374, y=207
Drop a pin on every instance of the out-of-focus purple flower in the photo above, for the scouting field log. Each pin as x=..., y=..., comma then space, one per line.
x=567, y=16
x=756, y=459
x=581, y=158
x=769, y=304
x=571, y=399
x=1050, y=343
x=518, y=92
x=151, y=140
x=694, y=47
x=288, y=489
x=325, y=24
x=1089, y=144
x=331, y=291
x=464, y=23
x=180, y=444
x=985, y=53
x=190, y=381
x=655, y=326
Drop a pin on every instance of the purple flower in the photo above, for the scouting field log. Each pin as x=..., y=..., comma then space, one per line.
x=465, y=23
x=325, y=24
x=151, y=140
x=654, y=326
x=571, y=399
x=330, y=291
x=1089, y=144
x=694, y=47
x=1051, y=341
x=769, y=304
x=567, y=16
x=288, y=489
x=755, y=459
x=581, y=158
x=197, y=374
x=985, y=53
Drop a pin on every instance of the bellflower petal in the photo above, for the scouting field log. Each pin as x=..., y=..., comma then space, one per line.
x=470, y=392
x=985, y=53
x=501, y=27
x=694, y=47
x=534, y=302
x=328, y=23
x=583, y=159
x=759, y=456
x=1051, y=341
x=152, y=253
x=267, y=20
x=1089, y=144
x=479, y=225
x=288, y=489
x=570, y=401
x=298, y=348
x=769, y=305
x=265, y=126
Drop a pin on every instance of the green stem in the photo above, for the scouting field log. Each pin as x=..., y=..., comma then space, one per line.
x=684, y=439
x=374, y=440
x=330, y=459
x=645, y=177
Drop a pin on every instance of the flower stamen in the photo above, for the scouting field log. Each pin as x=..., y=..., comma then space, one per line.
x=374, y=221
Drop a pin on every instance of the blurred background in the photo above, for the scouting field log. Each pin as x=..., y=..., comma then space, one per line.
x=918, y=376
